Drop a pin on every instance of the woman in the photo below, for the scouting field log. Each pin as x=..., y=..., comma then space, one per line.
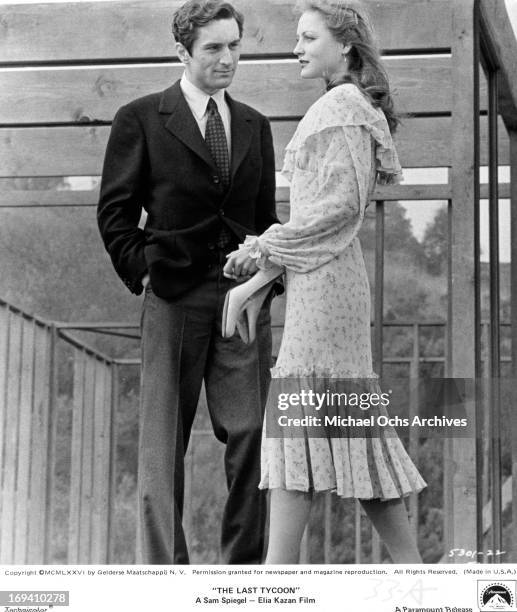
x=341, y=146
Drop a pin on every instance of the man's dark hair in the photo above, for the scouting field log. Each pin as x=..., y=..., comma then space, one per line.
x=195, y=14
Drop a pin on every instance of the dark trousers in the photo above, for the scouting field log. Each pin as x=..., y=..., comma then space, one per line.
x=182, y=346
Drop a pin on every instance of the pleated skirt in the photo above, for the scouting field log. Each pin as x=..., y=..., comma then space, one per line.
x=375, y=466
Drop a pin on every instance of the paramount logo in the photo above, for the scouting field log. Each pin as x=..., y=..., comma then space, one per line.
x=496, y=595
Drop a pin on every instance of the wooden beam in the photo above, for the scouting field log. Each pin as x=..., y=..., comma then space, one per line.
x=79, y=151
x=87, y=463
x=134, y=29
x=10, y=437
x=274, y=88
x=460, y=477
x=513, y=289
x=39, y=444
x=502, y=37
x=388, y=193
x=101, y=465
x=78, y=410
x=26, y=381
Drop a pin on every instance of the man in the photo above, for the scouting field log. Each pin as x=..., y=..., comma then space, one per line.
x=202, y=166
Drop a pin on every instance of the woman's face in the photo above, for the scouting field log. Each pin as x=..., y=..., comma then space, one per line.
x=319, y=53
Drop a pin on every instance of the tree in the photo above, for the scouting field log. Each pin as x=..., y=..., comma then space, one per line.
x=435, y=243
x=398, y=233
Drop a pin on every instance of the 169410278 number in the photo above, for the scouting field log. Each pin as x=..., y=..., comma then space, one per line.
x=54, y=598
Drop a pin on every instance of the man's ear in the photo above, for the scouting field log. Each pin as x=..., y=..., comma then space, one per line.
x=182, y=53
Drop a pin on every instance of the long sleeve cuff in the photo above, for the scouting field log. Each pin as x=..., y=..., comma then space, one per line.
x=258, y=251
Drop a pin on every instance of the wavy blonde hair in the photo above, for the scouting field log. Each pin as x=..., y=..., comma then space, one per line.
x=349, y=23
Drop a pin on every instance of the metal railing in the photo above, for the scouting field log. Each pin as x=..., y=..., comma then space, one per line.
x=58, y=442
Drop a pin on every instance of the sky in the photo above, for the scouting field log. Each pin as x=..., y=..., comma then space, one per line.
x=421, y=214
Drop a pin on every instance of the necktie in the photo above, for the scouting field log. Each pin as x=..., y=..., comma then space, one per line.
x=215, y=138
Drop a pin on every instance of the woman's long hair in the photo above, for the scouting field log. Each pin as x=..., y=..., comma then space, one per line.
x=349, y=23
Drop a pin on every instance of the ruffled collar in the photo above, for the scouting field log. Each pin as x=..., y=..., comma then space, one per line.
x=345, y=105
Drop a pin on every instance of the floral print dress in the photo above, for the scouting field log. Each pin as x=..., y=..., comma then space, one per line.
x=341, y=145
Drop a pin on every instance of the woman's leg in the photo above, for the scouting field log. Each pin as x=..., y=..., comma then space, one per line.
x=390, y=519
x=288, y=516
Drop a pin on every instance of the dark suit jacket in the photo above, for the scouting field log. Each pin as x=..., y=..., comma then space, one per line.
x=157, y=159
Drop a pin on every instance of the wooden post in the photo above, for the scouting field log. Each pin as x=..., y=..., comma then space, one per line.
x=513, y=209
x=327, y=528
x=74, y=515
x=12, y=405
x=460, y=501
x=414, y=379
x=24, y=442
x=358, y=539
x=495, y=339
x=112, y=493
x=51, y=445
x=87, y=460
x=39, y=446
x=378, y=353
x=101, y=465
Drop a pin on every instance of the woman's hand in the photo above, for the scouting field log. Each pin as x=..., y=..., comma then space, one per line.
x=240, y=266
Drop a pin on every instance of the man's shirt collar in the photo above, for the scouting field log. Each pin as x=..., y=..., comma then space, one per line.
x=198, y=99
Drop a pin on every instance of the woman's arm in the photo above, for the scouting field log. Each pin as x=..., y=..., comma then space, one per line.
x=330, y=183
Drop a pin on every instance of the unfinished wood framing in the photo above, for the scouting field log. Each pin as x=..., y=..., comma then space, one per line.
x=460, y=479
x=513, y=424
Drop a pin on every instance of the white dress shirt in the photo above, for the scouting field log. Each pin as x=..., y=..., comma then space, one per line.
x=198, y=100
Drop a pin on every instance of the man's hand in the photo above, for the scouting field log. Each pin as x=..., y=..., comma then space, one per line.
x=145, y=280
x=240, y=266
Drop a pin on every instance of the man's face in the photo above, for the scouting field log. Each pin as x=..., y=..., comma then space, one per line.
x=214, y=56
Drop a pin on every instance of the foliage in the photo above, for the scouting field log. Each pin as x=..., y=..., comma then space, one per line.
x=435, y=243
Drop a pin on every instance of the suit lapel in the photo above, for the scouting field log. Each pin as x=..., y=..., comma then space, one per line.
x=182, y=123
x=241, y=133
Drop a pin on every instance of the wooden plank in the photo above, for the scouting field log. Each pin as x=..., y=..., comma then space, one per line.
x=111, y=411
x=50, y=483
x=95, y=543
x=106, y=461
x=40, y=417
x=99, y=542
x=503, y=38
x=389, y=193
x=357, y=535
x=4, y=366
x=413, y=410
x=24, y=443
x=273, y=88
x=513, y=286
x=47, y=197
x=11, y=439
x=87, y=458
x=79, y=151
x=132, y=29
x=461, y=482
x=78, y=407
